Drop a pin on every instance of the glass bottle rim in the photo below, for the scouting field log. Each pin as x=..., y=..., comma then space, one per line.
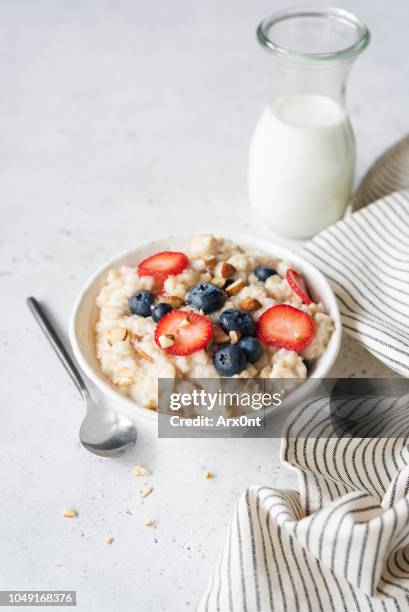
x=335, y=14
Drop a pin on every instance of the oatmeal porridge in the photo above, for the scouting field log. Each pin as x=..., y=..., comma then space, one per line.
x=214, y=310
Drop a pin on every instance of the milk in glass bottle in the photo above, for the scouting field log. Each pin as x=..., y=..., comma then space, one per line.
x=302, y=151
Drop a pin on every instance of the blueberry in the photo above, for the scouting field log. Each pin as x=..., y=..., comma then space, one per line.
x=251, y=347
x=229, y=360
x=140, y=303
x=160, y=310
x=234, y=319
x=263, y=273
x=206, y=297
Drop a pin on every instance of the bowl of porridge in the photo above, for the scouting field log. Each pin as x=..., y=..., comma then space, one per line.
x=202, y=306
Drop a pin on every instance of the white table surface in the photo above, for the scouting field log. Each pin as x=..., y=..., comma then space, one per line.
x=120, y=121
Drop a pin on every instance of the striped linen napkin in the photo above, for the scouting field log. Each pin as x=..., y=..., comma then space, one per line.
x=342, y=542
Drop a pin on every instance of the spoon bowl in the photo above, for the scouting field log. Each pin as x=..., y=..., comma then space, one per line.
x=106, y=433
x=103, y=432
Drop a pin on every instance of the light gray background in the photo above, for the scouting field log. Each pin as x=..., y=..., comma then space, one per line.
x=121, y=120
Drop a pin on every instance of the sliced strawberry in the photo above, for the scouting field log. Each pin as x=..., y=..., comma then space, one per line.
x=297, y=284
x=190, y=332
x=287, y=327
x=163, y=264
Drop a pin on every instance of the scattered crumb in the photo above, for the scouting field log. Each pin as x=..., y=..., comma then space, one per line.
x=150, y=523
x=146, y=490
x=70, y=513
x=138, y=470
x=110, y=540
x=208, y=475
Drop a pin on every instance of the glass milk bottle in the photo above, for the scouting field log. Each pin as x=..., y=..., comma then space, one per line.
x=302, y=151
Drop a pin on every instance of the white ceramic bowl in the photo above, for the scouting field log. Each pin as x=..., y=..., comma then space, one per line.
x=85, y=314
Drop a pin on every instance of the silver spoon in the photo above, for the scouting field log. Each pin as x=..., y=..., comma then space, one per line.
x=103, y=432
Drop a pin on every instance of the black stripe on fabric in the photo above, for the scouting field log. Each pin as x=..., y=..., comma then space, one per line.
x=357, y=268
x=278, y=573
x=253, y=549
x=378, y=232
x=382, y=342
x=294, y=556
x=243, y=582
x=294, y=589
x=368, y=247
x=328, y=518
x=387, y=212
x=311, y=574
x=383, y=242
x=363, y=297
x=229, y=579
x=373, y=262
x=263, y=543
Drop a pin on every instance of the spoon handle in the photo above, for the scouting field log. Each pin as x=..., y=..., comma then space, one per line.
x=53, y=338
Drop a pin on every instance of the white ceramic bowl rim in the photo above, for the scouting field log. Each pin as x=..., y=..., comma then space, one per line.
x=122, y=403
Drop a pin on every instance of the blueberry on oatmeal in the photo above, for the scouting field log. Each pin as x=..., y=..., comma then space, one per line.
x=140, y=303
x=251, y=347
x=229, y=360
x=206, y=297
x=160, y=310
x=234, y=319
x=263, y=273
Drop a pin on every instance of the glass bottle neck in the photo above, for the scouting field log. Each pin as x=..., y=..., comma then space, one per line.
x=292, y=78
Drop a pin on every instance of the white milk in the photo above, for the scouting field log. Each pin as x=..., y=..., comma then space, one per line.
x=301, y=165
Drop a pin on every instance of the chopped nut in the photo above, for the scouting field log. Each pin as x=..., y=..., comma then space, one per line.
x=142, y=354
x=208, y=475
x=250, y=304
x=173, y=300
x=227, y=270
x=219, y=336
x=218, y=281
x=210, y=261
x=184, y=322
x=124, y=378
x=117, y=334
x=150, y=523
x=146, y=490
x=110, y=540
x=234, y=336
x=138, y=470
x=166, y=340
x=235, y=287
x=70, y=513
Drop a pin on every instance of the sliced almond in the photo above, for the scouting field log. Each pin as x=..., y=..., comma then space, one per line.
x=173, y=300
x=210, y=262
x=166, y=340
x=219, y=336
x=234, y=336
x=138, y=470
x=124, y=378
x=69, y=513
x=142, y=354
x=110, y=540
x=226, y=269
x=218, y=281
x=150, y=523
x=250, y=304
x=235, y=287
x=147, y=490
x=117, y=334
x=208, y=475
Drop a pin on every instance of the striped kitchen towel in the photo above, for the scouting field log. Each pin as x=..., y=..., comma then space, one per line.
x=366, y=259
x=342, y=542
